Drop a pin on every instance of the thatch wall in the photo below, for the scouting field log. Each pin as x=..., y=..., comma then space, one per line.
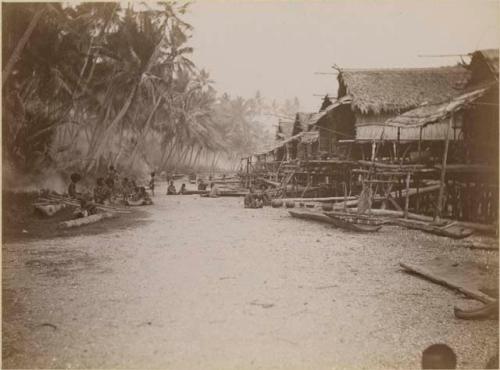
x=481, y=130
x=435, y=131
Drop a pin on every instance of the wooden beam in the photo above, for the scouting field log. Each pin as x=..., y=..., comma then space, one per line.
x=449, y=283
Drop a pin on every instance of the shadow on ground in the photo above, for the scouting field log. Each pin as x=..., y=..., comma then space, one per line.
x=21, y=223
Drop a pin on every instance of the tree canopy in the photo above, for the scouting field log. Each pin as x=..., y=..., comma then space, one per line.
x=96, y=84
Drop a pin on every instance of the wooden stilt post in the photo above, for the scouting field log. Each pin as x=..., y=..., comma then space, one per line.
x=439, y=208
x=407, y=200
x=374, y=146
x=420, y=143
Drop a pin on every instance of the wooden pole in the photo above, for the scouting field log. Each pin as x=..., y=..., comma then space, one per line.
x=374, y=146
x=407, y=200
x=420, y=143
x=439, y=207
x=16, y=54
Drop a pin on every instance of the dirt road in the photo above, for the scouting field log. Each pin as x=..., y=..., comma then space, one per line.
x=205, y=283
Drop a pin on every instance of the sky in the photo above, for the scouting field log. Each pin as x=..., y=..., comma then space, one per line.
x=277, y=46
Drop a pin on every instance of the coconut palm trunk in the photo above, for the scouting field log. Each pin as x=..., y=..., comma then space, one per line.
x=16, y=54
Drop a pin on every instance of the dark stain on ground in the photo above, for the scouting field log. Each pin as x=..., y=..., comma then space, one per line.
x=21, y=223
x=60, y=267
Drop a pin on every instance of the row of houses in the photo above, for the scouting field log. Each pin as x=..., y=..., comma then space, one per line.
x=404, y=117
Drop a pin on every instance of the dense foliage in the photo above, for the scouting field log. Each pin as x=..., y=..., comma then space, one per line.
x=95, y=84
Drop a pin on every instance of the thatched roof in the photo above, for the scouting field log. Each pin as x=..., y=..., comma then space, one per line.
x=436, y=112
x=399, y=90
x=306, y=121
x=490, y=56
x=306, y=137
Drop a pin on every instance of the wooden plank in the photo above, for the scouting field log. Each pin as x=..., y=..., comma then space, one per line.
x=412, y=191
x=449, y=283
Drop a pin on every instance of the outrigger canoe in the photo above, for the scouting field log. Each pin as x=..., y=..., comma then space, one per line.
x=335, y=220
x=451, y=230
x=354, y=222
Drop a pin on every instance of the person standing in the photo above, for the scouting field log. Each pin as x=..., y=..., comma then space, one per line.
x=152, y=183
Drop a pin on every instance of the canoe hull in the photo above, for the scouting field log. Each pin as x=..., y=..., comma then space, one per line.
x=321, y=217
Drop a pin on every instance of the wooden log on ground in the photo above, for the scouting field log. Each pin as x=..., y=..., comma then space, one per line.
x=85, y=220
x=48, y=209
x=74, y=202
x=468, y=291
x=194, y=192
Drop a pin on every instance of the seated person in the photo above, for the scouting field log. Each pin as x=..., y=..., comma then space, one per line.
x=75, y=178
x=253, y=200
x=140, y=198
x=87, y=207
x=182, y=189
x=143, y=194
x=214, y=192
x=102, y=193
x=171, y=189
x=202, y=185
x=126, y=188
x=152, y=183
x=439, y=356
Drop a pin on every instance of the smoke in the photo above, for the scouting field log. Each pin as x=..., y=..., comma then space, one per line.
x=17, y=182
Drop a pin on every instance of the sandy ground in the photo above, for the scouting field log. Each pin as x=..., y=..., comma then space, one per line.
x=205, y=283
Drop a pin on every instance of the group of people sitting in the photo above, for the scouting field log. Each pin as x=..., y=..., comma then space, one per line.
x=257, y=199
x=202, y=186
x=108, y=190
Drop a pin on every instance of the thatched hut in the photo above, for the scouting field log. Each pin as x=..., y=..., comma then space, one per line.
x=474, y=133
x=380, y=94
